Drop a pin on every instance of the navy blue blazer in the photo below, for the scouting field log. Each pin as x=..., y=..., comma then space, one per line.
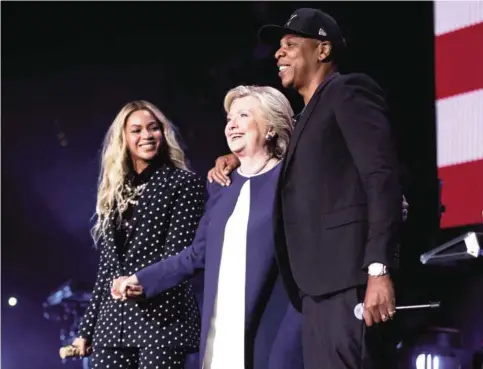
x=272, y=325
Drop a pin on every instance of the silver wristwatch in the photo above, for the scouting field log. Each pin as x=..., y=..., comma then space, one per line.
x=377, y=270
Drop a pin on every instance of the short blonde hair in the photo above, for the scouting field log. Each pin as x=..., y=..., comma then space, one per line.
x=276, y=110
x=115, y=161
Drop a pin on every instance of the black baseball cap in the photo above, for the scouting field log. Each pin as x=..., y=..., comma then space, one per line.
x=309, y=23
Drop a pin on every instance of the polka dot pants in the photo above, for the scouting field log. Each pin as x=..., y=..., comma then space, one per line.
x=136, y=358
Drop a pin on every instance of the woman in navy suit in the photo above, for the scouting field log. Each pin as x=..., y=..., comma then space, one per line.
x=247, y=319
x=148, y=208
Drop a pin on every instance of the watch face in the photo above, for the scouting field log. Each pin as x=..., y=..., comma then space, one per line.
x=376, y=269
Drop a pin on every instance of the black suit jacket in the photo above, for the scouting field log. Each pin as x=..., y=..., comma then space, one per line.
x=339, y=200
x=164, y=223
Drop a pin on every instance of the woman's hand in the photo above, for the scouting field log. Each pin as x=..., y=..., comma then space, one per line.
x=129, y=288
x=116, y=284
x=126, y=288
x=133, y=293
x=81, y=344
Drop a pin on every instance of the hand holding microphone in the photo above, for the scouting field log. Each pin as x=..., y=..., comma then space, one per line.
x=359, y=308
x=379, y=301
x=79, y=348
x=69, y=351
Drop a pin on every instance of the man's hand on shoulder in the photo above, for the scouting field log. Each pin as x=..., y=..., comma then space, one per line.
x=224, y=165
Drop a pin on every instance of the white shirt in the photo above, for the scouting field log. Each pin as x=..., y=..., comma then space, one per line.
x=225, y=347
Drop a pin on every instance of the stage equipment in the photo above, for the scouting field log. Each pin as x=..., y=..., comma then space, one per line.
x=67, y=305
x=465, y=247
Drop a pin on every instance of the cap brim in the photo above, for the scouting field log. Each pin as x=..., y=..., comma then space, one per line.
x=271, y=33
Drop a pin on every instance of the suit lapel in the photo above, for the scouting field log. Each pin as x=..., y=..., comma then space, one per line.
x=149, y=194
x=303, y=119
x=158, y=180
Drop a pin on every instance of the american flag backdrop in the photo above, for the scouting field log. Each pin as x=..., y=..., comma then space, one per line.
x=459, y=109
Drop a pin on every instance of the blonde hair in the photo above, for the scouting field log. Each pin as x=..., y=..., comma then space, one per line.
x=276, y=110
x=116, y=162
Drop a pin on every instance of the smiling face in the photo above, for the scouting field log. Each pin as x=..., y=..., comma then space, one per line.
x=297, y=60
x=245, y=130
x=143, y=136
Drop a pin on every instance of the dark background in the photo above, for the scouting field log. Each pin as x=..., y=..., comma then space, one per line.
x=67, y=68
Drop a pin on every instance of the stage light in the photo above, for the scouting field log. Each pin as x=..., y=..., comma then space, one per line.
x=433, y=348
x=12, y=301
x=435, y=360
x=427, y=361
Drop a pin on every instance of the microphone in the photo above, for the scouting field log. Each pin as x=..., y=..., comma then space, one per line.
x=68, y=351
x=71, y=351
x=359, y=308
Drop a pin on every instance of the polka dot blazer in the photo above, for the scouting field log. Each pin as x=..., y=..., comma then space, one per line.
x=163, y=223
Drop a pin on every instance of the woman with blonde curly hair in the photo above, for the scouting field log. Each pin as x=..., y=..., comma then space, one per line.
x=248, y=321
x=148, y=208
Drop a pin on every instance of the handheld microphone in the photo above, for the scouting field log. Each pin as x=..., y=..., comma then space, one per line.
x=68, y=351
x=71, y=351
x=359, y=308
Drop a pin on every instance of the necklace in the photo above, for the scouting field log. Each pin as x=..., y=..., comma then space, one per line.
x=258, y=170
x=131, y=195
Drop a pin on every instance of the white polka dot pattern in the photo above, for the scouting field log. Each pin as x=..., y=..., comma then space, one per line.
x=137, y=358
x=163, y=224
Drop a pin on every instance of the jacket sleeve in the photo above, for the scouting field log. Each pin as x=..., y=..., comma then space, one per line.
x=186, y=261
x=362, y=116
x=86, y=327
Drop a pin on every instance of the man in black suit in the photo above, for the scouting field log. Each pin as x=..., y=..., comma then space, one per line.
x=339, y=200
